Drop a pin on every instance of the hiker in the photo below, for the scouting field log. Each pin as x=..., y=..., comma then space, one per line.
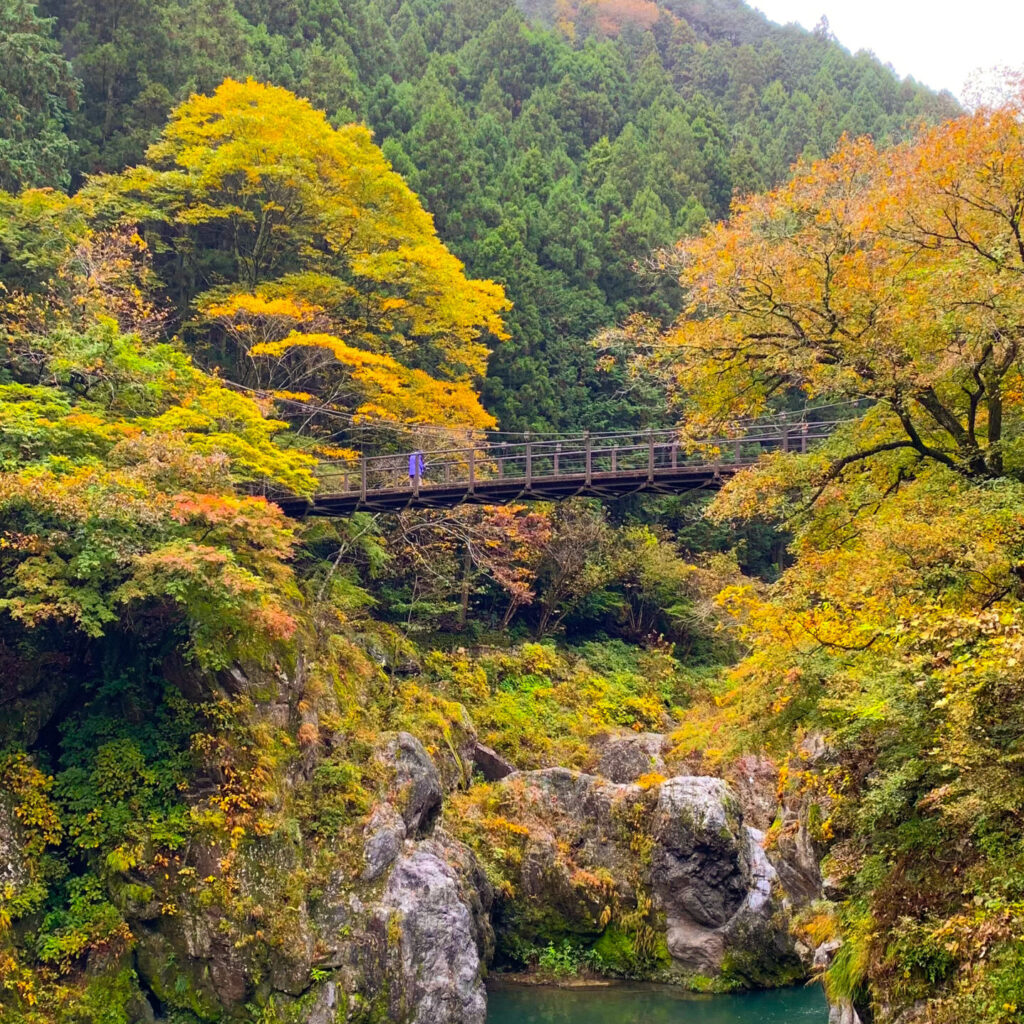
x=416, y=467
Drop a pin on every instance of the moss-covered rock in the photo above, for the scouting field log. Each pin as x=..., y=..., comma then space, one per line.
x=661, y=880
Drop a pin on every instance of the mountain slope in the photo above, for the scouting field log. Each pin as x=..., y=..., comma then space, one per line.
x=556, y=145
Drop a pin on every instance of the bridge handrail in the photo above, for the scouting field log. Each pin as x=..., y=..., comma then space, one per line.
x=545, y=447
x=580, y=456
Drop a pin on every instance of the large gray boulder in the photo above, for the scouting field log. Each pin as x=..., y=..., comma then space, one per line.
x=701, y=866
x=598, y=851
x=436, y=962
x=628, y=758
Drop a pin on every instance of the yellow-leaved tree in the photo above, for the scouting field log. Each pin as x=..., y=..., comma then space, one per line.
x=269, y=225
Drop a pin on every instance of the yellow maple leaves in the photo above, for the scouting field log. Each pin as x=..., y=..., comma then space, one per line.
x=299, y=363
x=323, y=237
x=387, y=390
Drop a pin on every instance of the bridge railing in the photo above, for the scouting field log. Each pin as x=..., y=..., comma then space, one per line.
x=586, y=458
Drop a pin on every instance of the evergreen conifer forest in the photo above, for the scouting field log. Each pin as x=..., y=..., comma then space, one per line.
x=268, y=769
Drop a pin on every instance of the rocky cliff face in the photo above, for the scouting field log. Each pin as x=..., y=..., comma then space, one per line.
x=400, y=918
x=403, y=938
x=666, y=879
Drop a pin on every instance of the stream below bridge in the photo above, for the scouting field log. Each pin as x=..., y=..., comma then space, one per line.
x=652, y=1004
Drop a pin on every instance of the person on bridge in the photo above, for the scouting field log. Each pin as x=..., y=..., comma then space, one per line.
x=416, y=467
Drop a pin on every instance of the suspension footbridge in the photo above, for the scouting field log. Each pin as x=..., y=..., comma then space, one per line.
x=608, y=465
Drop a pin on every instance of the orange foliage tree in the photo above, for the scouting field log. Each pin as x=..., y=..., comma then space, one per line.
x=893, y=278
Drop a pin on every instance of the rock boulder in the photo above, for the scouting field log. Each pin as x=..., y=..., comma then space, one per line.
x=416, y=792
x=434, y=941
x=674, y=859
x=628, y=758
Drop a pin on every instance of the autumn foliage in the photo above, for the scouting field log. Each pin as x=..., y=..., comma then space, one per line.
x=609, y=16
x=128, y=473
x=297, y=223
x=890, y=285
x=891, y=277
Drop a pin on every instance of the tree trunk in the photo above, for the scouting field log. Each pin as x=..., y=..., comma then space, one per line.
x=467, y=568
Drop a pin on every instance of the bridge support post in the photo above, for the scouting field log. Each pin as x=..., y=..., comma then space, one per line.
x=362, y=479
x=588, y=446
x=650, y=456
x=529, y=462
x=472, y=470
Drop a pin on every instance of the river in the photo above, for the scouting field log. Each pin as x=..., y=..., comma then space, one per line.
x=652, y=1004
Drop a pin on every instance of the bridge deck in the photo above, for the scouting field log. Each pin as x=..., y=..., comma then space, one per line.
x=506, y=490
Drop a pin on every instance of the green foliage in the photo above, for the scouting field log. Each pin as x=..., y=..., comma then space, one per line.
x=847, y=973
x=538, y=705
x=125, y=759
x=87, y=920
x=616, y=953
x=337, y=797
x=564, y=960
x=552, y=158
x=123, y=465
x=919, y=959
x=37, y=91
x=39, y=230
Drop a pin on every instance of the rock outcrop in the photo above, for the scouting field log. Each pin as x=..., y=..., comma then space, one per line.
x=843, y=1013
x=405, y=937
x=416, y=791
x=414, y=950
x=671, y=871
x=439, y=936
x=628, y=758
x=490, y=764
x=14, y=872
x=396, y=921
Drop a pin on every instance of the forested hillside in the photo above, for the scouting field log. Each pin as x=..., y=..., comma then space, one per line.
x=258, y=768
x=556, y=145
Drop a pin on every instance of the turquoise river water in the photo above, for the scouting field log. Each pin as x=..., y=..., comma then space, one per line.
x=652, y=1004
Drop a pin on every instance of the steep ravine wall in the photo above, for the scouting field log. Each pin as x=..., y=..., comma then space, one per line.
x=668, y=878
x=663, y=878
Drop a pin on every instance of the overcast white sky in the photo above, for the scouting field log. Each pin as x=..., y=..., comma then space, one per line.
x=940, y=42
